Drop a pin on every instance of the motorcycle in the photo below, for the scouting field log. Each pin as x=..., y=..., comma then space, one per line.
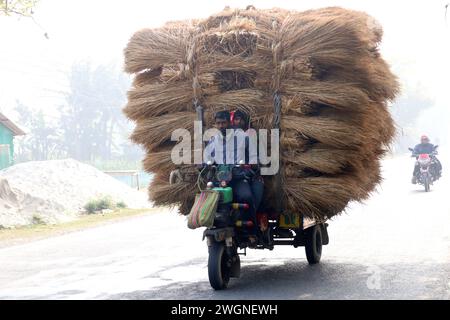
x=426, y=163
x=229, y=233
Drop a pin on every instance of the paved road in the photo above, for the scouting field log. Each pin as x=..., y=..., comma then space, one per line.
x=395, y=246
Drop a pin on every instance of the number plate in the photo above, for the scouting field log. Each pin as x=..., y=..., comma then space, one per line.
x=290, y=220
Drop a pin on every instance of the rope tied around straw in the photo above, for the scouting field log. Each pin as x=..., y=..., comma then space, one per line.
x=184, y=71
x=192, y=70
x=196, y=89
x=277, y=57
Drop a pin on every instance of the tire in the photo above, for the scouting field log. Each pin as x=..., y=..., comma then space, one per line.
x=426, y=183
x=313, y=244
x=219, y=266
x=235, y=270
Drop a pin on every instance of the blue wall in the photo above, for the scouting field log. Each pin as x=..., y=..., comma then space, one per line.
x=6, y=137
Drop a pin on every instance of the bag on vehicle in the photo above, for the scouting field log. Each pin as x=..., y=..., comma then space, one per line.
x=203, y=210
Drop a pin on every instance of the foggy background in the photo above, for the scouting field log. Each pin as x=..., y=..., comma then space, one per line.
x=61, y=76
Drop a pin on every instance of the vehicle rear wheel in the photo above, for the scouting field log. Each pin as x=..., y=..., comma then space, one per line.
x=219, y=266
x=313, y=244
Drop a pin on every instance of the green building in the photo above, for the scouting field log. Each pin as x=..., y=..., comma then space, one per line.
x=8, y=130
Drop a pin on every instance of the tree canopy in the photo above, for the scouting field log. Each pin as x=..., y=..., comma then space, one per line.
x=17, y=7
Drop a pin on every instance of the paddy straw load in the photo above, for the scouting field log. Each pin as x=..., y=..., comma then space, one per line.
x=323, y=64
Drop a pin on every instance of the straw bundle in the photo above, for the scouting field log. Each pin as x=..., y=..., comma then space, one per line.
x=324, y=64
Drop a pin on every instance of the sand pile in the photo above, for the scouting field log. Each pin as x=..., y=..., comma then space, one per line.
x=57, y=190
x=19, y=209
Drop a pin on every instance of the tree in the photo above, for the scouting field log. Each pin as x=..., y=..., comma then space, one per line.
x=92, y=115
x=17, y=7
x=42, y=141
x=406, y=111
x=91, y=123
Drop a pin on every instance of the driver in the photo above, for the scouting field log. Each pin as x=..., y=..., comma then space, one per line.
x=425, y=147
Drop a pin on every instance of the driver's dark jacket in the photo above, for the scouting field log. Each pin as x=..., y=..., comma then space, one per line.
x=424, y=148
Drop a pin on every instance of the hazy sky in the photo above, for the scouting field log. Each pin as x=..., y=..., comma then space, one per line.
x=416, y=42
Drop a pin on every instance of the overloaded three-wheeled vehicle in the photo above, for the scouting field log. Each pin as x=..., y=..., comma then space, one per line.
x=227, y=236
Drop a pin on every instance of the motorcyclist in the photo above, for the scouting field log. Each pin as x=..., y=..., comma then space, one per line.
x=425, y=147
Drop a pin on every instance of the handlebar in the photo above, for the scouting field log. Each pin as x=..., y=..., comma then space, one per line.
x=431, y=154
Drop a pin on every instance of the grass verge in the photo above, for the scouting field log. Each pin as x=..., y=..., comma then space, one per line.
x=19, y=235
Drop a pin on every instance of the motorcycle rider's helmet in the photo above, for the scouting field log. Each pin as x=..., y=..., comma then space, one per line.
x=424, y=139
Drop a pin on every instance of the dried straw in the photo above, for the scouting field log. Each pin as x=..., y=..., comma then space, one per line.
x=325, y=63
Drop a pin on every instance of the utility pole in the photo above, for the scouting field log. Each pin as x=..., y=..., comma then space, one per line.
x=445, y=15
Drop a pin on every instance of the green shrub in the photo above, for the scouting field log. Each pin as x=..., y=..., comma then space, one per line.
x=37, y=219
x=91, y=206
x=99, y=204
x=105, y=203
x=121, y=205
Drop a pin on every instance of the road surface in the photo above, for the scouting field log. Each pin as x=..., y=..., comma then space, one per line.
x=395, y=246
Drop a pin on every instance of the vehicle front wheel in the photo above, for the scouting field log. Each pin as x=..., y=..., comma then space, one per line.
x=313, y=244
x=426, y=183
x=219, y=266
